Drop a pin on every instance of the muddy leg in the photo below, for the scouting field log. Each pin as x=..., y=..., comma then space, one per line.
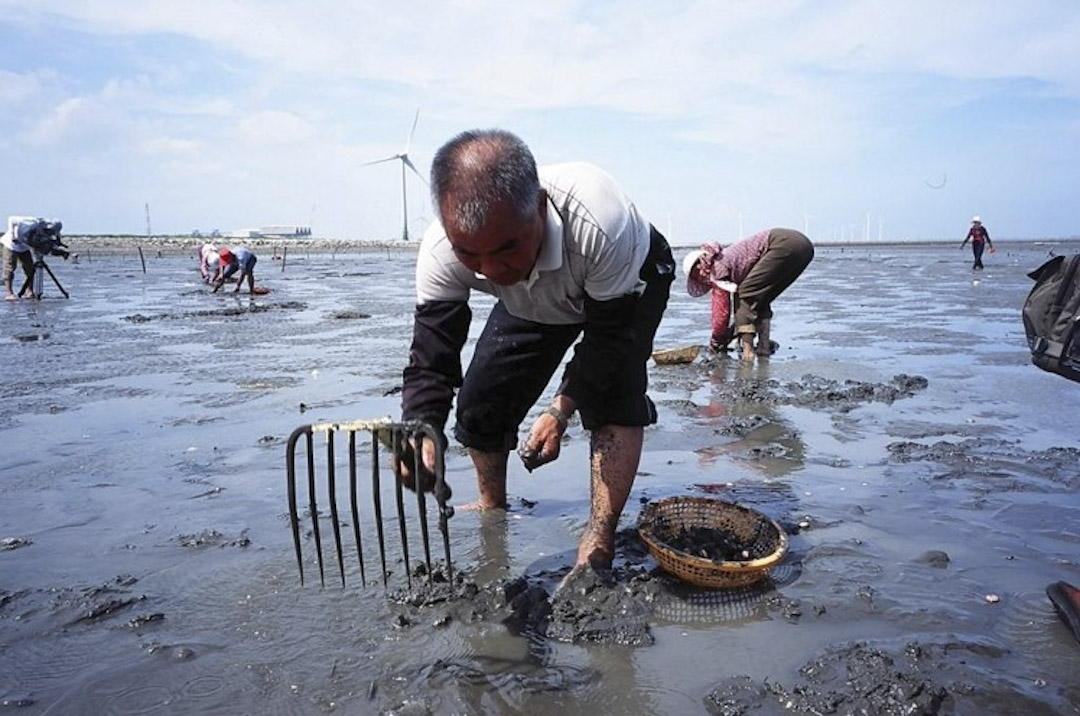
x=615, y=453
x=490, y=479
x=747, y=342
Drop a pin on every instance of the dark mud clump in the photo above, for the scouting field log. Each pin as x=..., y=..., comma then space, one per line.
x=711, y=543
x=860, y=680
x=212, y=538
x=1010, y=466
x=592, y=607
x=347, y=315
x=226, y=311
x=917, y=680
x=818, y=392
x=10, y=543
x=69, y=606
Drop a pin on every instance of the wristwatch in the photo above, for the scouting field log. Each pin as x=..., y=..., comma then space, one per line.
x=560, y=417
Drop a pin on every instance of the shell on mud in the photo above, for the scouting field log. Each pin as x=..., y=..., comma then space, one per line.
x=671, y=356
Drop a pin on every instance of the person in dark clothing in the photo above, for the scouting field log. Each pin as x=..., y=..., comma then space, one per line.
x=980, y=238
x=566, y=254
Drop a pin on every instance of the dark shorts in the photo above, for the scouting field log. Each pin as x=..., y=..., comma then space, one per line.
x=787, y=254
x=514, y=361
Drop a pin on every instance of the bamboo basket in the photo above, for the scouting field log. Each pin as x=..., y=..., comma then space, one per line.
x=762, y=537
x=672, y=356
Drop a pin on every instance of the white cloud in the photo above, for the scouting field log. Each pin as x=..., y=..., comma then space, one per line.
x=326, y=85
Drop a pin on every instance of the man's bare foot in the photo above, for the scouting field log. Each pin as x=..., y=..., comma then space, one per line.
x=478, y=506
x=595, y=550
x=767, y=349
x=10, y=297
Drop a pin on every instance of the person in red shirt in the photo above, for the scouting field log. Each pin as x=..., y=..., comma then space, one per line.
x=745, y=278
x=980, y=238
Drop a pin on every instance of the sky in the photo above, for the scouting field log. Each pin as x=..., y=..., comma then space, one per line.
x=850, y=120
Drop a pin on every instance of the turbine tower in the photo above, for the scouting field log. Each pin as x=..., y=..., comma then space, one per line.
x=405, y=163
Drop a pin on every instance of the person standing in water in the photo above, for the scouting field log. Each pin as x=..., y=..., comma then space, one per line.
x=980, y=238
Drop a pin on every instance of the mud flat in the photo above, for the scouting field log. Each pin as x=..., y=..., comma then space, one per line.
x=923, y=470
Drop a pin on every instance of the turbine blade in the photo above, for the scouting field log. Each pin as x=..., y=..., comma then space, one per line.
x=408, y=142
x=380, y=161
x=410, y=165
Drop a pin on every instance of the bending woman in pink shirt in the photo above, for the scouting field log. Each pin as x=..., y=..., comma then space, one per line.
x=750, y=273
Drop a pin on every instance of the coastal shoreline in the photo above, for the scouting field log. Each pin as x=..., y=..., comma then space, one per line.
x=179, y=245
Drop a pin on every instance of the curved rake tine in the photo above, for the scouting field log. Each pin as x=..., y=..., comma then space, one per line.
x=313, y=508
x=421, y=503
x=445, y=511
x=399, y=498
x=353, y=504
x=377, y=500
x=331, y=485
x=294, y=514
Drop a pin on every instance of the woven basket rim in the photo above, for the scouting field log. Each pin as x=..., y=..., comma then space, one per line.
x=729, y=566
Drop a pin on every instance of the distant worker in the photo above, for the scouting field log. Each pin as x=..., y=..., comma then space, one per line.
x=978, y=235
x=16, y=249
x=231, y=261
x=750, y=273
x=208, y=261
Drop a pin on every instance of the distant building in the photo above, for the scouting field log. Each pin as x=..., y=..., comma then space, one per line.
x=285, y=232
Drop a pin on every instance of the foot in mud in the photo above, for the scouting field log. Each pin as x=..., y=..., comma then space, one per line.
x=1066, y=600
x=595, y=550
x=477, y=506
x=769, y=349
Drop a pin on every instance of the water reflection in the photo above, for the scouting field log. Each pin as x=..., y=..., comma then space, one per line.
x=764, y=441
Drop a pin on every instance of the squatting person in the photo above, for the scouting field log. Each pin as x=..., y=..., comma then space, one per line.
x=566, y=253
x=750, y=274
x=233, y=260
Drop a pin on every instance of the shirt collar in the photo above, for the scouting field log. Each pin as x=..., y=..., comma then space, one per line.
x=551, y=250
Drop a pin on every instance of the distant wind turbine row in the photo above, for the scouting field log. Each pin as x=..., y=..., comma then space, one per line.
x=405, y=163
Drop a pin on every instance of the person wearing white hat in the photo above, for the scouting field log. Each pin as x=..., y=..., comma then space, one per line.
x=978, y=235
x=745, y=278
x=209, y=261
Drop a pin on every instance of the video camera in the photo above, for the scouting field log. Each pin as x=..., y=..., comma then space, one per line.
x=44, y=239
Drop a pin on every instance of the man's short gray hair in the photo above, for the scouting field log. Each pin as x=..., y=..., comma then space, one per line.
x=479, y=170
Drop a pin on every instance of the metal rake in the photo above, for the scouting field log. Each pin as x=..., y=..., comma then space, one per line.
x=395, y=438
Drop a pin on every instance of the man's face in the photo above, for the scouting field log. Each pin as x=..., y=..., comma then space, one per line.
x=505, y=249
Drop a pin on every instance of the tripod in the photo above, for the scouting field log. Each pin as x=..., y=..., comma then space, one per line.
x=40, y=269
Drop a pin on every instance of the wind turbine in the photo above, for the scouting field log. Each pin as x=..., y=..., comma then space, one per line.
x=405, y=163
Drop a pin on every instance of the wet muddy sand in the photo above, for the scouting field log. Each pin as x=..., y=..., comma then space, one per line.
x=925, y=473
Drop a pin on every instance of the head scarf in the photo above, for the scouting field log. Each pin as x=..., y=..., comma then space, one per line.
x=709, y=255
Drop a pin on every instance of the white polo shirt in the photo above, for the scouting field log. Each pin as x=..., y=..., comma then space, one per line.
x=594, y=244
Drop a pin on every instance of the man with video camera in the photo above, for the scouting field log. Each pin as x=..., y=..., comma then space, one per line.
x=26, y=235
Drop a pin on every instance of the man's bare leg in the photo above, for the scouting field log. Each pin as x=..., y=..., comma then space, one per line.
x=490, y=479
x=747, y=341
x=615, y=452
